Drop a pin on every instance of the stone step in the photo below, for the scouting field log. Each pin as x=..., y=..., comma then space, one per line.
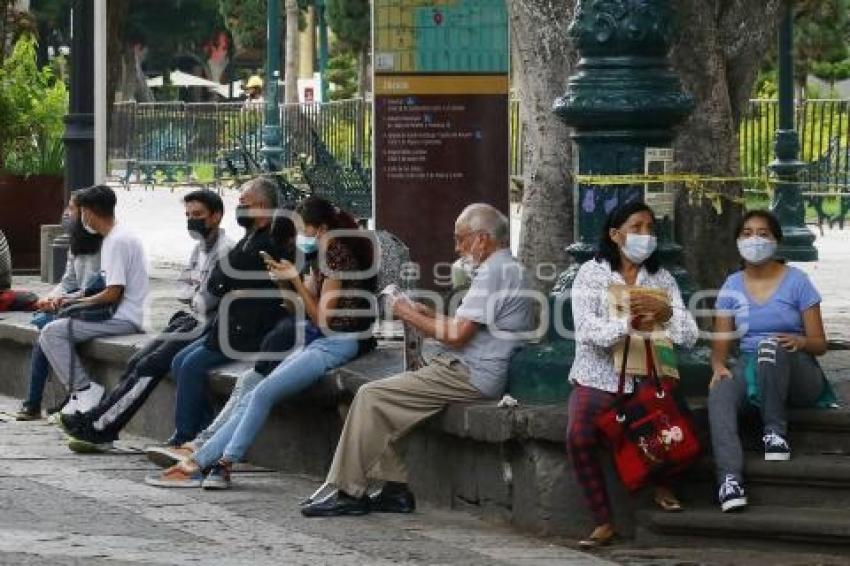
x=806, y=480
x=810, y=431
x=769, y=526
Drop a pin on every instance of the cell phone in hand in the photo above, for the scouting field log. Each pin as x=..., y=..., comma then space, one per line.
x=266, y=257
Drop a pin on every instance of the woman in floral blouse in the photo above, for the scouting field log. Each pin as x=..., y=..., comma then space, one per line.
x=627, y=256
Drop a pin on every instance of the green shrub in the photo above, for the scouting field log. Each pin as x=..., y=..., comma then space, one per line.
x=33, y=104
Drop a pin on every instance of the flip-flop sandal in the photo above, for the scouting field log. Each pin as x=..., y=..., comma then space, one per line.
x=669, y=504
x=596, y=542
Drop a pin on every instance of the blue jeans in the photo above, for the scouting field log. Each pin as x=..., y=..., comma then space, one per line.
x=192, y=409
x=304, y=367
x=39, y=369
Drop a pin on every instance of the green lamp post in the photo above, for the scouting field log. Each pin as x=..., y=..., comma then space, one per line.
x=798, y=241
x=622, y=103
x=272, y=151
x=322, y=24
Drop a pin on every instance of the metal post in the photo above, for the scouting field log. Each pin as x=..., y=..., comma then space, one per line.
x=79, y=123
x=272, y=150
x=321, y=13
x=788, y=205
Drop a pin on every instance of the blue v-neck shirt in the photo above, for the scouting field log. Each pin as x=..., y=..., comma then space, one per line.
x=782, y=313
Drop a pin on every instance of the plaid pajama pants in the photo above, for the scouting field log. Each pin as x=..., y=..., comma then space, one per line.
x=583, y=442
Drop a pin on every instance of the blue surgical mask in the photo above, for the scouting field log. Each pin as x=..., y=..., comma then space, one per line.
x=68, y=224
x=307, y=244
x=757, y=249
x=639, y=247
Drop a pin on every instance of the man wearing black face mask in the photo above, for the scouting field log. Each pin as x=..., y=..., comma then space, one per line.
x=94, y=430
x=247, y=319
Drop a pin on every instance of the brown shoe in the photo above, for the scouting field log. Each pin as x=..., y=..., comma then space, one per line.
x=602, y=535
x=167, y=456
x=666, y=500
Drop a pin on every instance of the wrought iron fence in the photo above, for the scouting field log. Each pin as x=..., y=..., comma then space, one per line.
x=197, y=133
x=824, y=129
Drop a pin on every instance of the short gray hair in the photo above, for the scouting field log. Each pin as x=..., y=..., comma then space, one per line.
x=265, y=187
x=482, y=217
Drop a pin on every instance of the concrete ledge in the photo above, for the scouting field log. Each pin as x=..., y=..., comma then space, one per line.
x=506, y=464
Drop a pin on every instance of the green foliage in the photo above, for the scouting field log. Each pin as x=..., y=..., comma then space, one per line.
x=33, y=103
x=246, y=21
x=765, y=88
x=832, y=72
x=821, y=35
x=342, y=74
x=172, y=27
x=351, y=22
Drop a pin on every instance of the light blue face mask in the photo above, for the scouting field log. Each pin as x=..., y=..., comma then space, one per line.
x=757, y=249
x=307, y=244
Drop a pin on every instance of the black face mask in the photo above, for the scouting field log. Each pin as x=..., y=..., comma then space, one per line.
x=242, y=218
x=198, y=228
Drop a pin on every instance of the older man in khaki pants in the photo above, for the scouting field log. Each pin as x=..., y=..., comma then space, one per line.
x=472, y=365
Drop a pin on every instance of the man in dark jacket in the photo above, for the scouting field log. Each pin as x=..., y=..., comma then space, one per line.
x=242, y=319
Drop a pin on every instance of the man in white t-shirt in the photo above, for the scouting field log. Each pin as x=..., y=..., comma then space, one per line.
x=125, y=278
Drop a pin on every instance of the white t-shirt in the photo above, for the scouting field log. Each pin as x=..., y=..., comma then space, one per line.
x=123, y=262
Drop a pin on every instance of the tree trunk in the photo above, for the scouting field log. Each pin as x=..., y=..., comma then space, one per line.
x=718, y=52
x=543, y=58
x=292, y=39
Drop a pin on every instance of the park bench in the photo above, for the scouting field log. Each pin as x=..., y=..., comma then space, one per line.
x=153, y=173
x=829, y=174
x=349, y=188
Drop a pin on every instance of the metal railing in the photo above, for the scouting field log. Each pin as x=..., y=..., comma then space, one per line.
x=824, y=130
x=197, y=133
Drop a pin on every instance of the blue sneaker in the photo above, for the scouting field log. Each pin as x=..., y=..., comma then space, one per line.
x=776, y=448
x=218, y=476
x=731, y=495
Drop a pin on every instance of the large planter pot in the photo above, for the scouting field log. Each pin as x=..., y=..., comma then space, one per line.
x=25, y=204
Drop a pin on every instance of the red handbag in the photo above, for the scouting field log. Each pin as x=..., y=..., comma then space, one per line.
x=651, y=434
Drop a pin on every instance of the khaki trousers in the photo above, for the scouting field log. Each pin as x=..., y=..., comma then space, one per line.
x=384, y=411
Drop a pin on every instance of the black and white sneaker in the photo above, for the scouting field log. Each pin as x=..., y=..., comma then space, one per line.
x=731, y=495
x=776, y=448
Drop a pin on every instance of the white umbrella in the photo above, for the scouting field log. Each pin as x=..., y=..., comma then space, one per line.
x=179, y=78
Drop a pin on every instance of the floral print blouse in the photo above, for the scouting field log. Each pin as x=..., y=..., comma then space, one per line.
x=597, y=332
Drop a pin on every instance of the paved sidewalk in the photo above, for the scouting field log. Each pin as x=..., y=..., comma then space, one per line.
x=61, y=508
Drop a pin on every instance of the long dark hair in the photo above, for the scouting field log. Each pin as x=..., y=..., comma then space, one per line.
x=317, y=211
x=772, y=223
x=82, y=243
x=609, y=250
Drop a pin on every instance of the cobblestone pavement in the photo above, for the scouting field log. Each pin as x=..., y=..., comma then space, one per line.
x=61, y=508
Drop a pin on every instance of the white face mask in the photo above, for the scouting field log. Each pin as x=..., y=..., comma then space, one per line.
x=639, y=247
x=86, y=226
x=462, y=273
x=757, y=249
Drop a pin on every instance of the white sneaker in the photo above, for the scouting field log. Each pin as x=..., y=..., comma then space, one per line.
x=87, y=399
x=69, y=408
